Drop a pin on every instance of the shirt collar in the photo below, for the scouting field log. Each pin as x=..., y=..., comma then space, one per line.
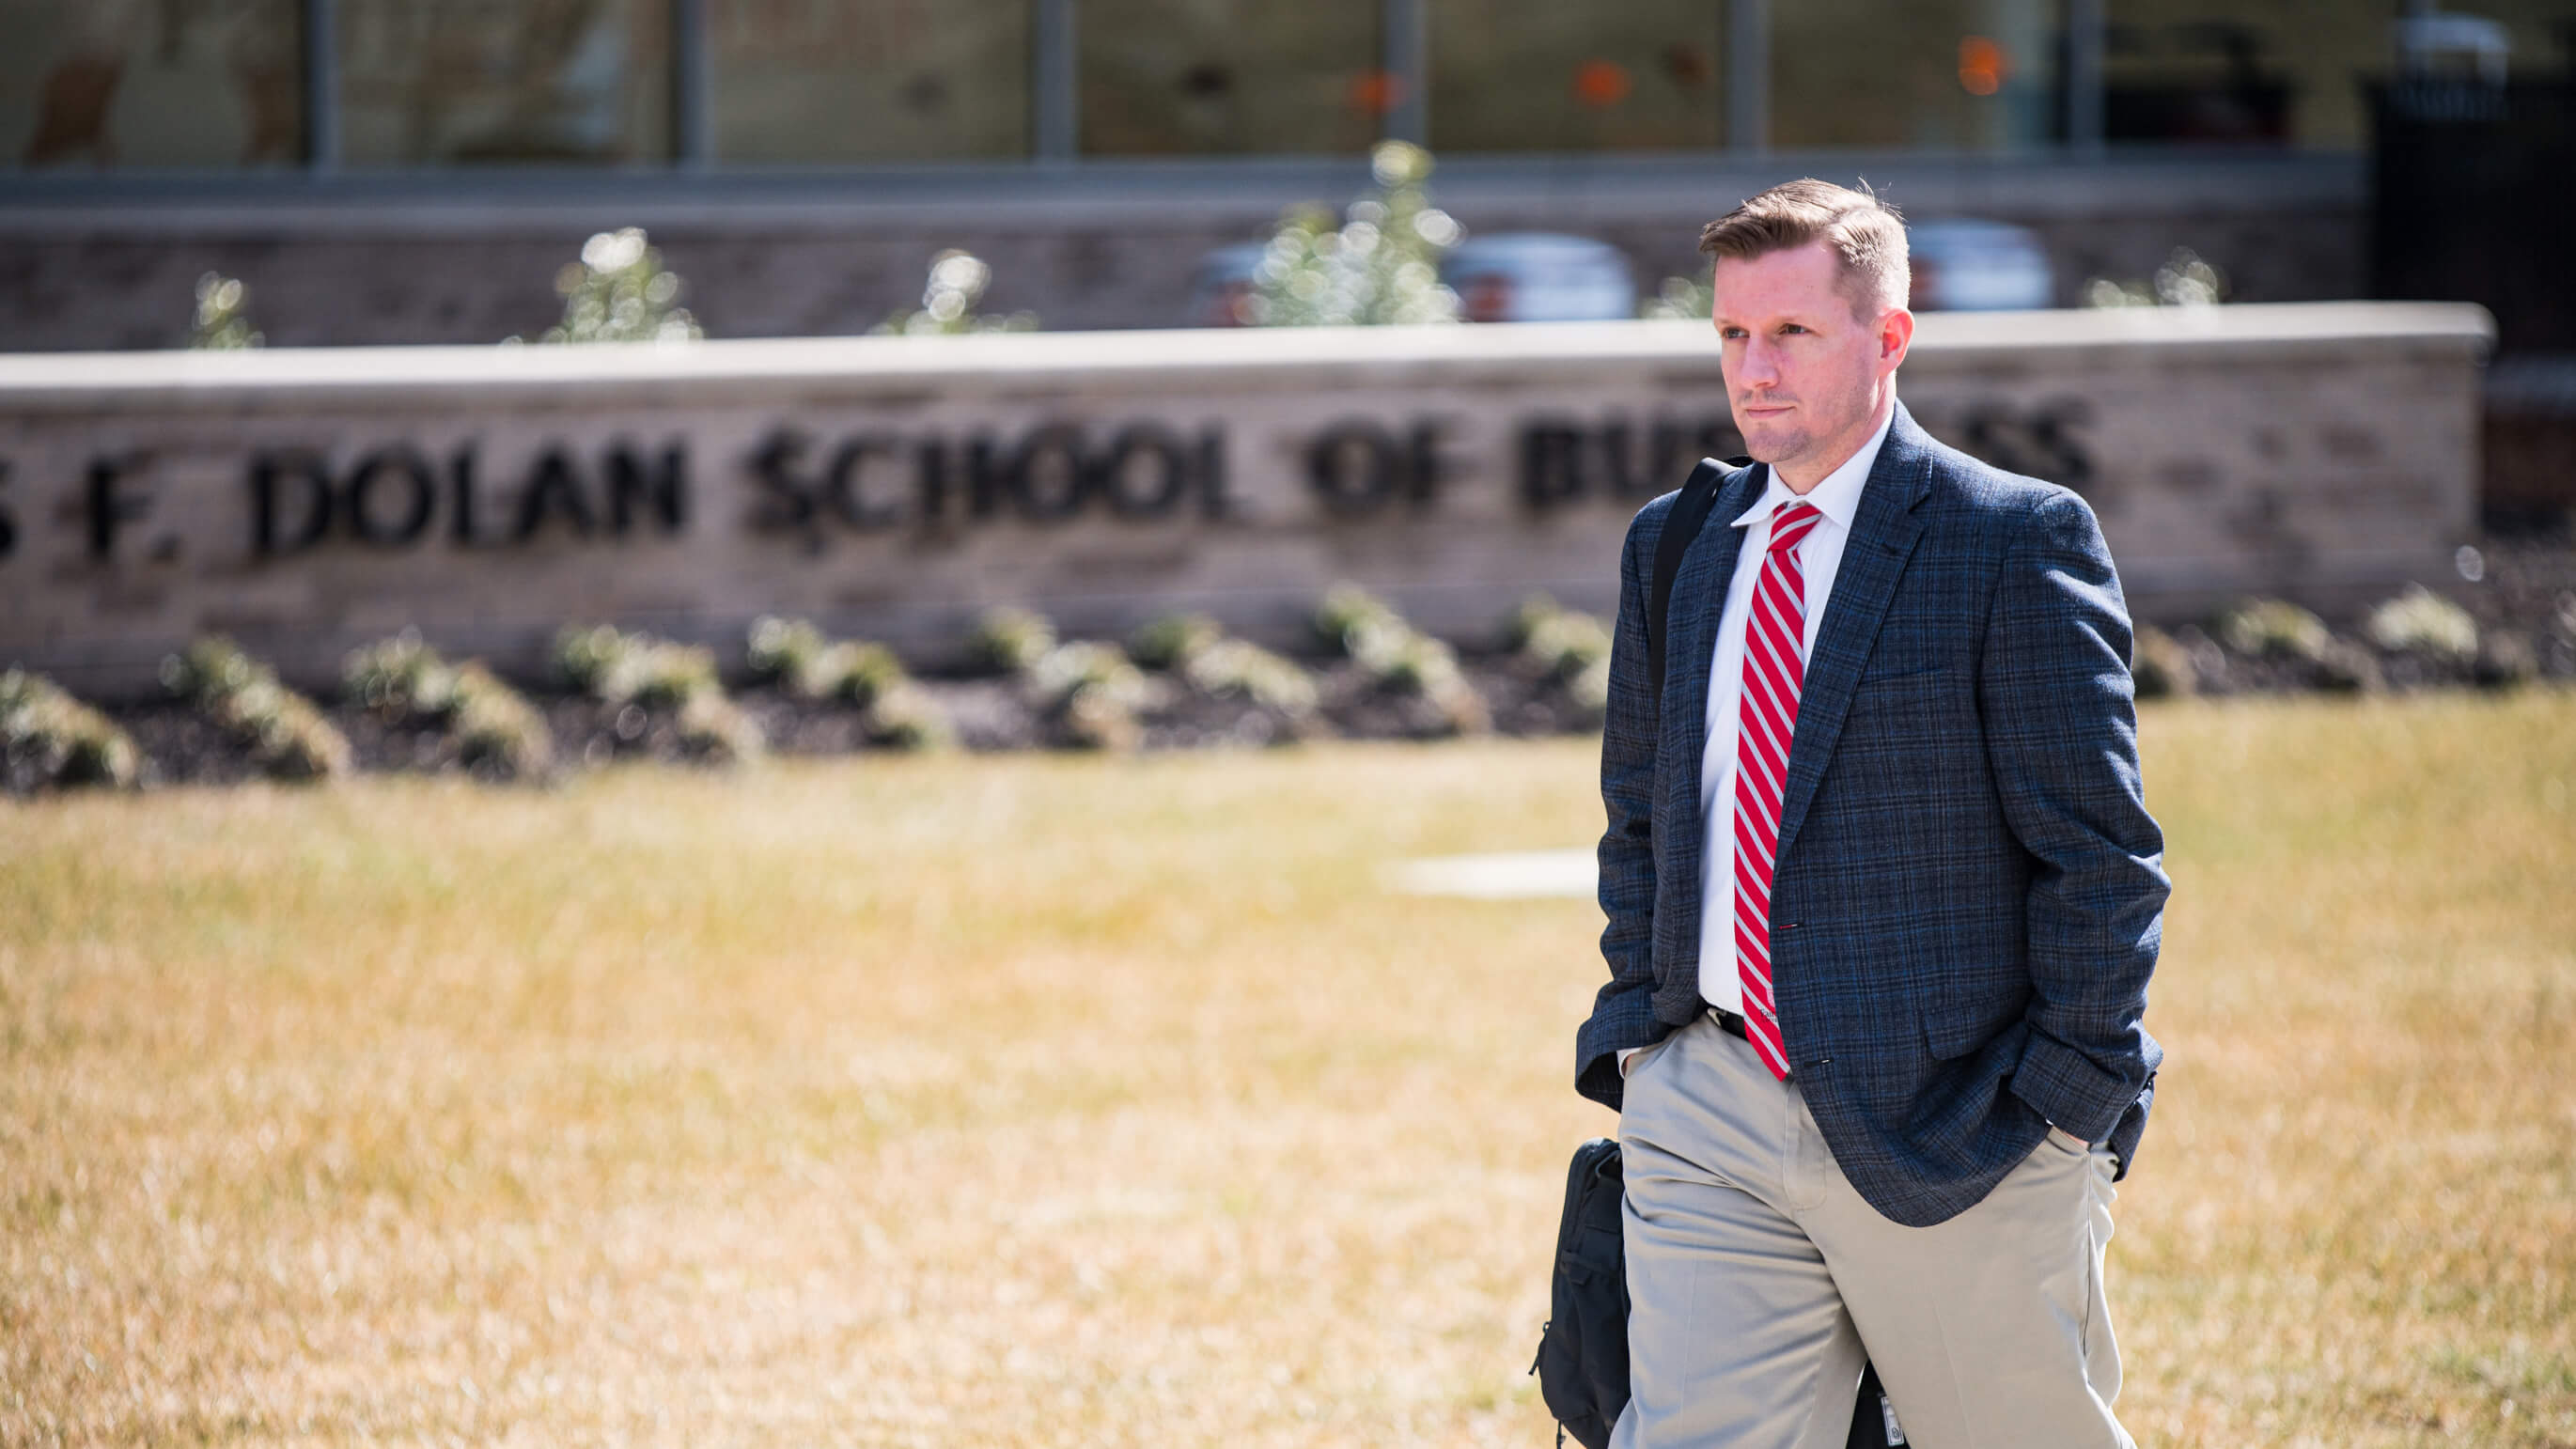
x=1837, y=498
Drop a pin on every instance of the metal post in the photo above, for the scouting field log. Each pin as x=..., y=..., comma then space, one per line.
x=1055, y=104
x=1748, y=76
x=321, y=87
x=2084, y=45
x=1405, y=57
x=693, y=130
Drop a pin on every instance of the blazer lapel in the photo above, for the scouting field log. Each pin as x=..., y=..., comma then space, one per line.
x=1699, y=595
x=1882, y=538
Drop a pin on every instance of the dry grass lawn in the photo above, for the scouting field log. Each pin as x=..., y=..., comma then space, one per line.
x=1054, y=1101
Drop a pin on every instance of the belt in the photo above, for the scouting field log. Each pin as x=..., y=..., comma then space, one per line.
x=1733, y=1025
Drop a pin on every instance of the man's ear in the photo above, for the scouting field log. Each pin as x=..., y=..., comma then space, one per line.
x=1895, y=335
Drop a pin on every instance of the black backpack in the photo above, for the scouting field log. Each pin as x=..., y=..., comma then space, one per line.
x=1582, y=1362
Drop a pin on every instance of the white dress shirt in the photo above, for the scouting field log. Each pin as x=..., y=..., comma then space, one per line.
x=1820, y=557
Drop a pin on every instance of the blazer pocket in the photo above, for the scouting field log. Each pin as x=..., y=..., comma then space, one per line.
x=1914, y=689
x=1950, y=1036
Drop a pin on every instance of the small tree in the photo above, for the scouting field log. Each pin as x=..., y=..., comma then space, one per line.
x=1685, y=299
x=1380, y=266
x=957, y=283
x=619, y=292
x=223, y=316
x=2183, y=281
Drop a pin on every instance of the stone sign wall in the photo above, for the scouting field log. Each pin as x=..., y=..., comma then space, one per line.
x=309, y=501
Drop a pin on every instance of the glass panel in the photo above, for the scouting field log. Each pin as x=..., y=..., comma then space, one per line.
x=1544, y=75
x=1202, y=77
x=151, y=83
x=869, y=80
x=426, y=82
x=1948, y=75
x=2282, y=70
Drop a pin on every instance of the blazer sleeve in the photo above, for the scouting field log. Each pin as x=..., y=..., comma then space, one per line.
x=1623, y=1013
x=2061, y=734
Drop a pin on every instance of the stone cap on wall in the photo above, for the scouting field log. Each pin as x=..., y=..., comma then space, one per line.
x=1182, y=360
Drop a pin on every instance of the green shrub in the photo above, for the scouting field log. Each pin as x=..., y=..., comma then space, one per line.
x=1197, y=648
x=1088, y=694
x=791, y=653
x=288, y=738
x=957, y=283
x=1380, y=266
x=1560, y=642
x=614, y=667
x=715, y=729
x=2183, y=281
x=1399, y=660
x=1349, y=613
x=1243, y=669
x=1569, y=651
x=223, y=316
x=1010, y=640
x=2162, y=666
x=1166, y=641
x=864, y=675
x=1681, y=299
x=494, y=729
x=903, y=716
x=861, y=674
x=2347, y=668
x=2275, y=628
x=58, y=740
x=401, y=678
x=619, y=292
x=2420, y=621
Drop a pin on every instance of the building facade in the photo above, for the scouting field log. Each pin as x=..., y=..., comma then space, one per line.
x=389, y=171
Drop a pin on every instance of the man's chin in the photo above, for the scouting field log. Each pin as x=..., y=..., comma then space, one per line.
x=1774, y=447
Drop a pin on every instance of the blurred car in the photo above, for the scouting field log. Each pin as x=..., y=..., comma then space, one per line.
x=1221, y=283
x=1978, y=266
x=1533, y=276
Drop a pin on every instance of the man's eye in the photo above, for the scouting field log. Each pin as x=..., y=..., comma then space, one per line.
x=1792, y=327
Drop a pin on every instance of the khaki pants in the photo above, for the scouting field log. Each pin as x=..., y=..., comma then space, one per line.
x=1756, y=1275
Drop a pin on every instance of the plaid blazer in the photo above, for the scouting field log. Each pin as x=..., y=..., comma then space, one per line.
x=1969, y=892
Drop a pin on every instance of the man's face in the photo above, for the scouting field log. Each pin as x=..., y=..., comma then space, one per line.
x=1806, y=376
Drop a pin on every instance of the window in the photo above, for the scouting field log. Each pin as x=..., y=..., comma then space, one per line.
x=1229, y=77
x=826, y=81
x=430, y=82
x=1543, y=75
x=2192, y=71
x=1941, y=75
x=124, y=83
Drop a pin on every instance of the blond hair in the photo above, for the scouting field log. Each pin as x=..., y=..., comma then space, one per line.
x=1865, y=234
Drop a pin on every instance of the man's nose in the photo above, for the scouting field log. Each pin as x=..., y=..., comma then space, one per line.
x=1759, y=366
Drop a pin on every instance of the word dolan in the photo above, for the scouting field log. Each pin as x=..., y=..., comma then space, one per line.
x=393, y=497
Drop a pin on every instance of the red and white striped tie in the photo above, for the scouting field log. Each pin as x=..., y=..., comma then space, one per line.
x=1773, y=671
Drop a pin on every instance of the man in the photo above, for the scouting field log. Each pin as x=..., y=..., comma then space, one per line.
x=1883, y=898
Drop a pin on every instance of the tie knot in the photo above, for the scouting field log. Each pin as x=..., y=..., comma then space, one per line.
x=1793, y=524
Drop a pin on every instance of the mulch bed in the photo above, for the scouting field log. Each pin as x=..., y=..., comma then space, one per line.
x=2528, y=589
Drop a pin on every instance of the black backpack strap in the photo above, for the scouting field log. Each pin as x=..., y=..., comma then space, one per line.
x=1681, y=526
